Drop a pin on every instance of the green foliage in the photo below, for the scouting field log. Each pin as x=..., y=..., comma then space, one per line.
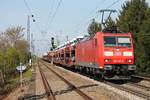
x=135, y=17
x=144, y=39
x=12, y=58
x=1, y=60
x=110, y=22
x=132, y=15
x=27, y=74
x=13, y=50
x=22, y=48
x=94, y=27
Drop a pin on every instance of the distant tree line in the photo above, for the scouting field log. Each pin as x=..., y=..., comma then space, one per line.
x=13, y=50
x=134, y=17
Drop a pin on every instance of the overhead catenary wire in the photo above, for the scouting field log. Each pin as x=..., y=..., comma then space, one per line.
x=27, y=6
x=112, y=4
x=54, y=14
x=88, y=22
x=115, y=2
x=88, y=16
x=31, y=14
x=51, y=8
x=108, y=10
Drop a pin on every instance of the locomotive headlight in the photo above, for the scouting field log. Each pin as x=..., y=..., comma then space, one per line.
x=129, y=60
x=107, y=60
x=108, y=53
x=127, y=53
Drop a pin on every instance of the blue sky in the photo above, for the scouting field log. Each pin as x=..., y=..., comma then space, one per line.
x=72, y=17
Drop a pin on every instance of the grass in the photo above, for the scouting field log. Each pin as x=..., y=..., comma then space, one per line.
x=13, y=82
x=28, y=74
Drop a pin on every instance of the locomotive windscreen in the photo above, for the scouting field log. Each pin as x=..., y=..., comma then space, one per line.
x=117, y=41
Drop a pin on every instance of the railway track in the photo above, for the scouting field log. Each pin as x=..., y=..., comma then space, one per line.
x=82, y=94
x=125, y=88
x=50, y=94
x=145, y=95
x=141, y=77
x=3, y=97
x=142, y=94
x=139, y=86
x=130, y=90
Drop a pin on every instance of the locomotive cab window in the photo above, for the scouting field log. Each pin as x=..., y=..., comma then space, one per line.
x=117, y=41
x=124, y=41
x=109, y=41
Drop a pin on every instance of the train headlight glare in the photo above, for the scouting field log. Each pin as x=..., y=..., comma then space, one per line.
x=107, y=60
x=127, y=53
x=129, y=60
x=108, y=53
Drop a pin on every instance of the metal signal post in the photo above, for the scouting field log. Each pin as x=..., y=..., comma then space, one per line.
x=28, y=31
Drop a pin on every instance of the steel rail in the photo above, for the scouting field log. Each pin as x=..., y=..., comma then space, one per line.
x=3, y=97
x=126, y=89
x=141, y=77
x=139, y=85
x=47, y=87
x=85, y=96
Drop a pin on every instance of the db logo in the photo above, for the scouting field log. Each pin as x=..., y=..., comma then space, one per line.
x=117, y=53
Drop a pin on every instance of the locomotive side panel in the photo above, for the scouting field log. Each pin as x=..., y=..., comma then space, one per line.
x=86, y=53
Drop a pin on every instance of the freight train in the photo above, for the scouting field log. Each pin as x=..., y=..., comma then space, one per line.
x=109, y=54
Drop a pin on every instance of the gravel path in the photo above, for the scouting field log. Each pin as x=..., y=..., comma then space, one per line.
x=17, y=93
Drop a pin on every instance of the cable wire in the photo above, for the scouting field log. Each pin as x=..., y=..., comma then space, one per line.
x=50, y=12
x=54, y=14
x=27, y=6
x=96, y=8
x=30, y=11
x=88, y=15
x=113, y=4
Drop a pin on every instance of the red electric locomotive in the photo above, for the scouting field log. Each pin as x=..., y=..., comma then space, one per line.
x=109, y=53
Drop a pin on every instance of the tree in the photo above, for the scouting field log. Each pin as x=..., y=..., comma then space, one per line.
x=132, y=15
x=135, y=17
x=14, y=34
x=12, y=59
x=22, y=48
x=13, y=49
x=94, y=27
x=1, y=68
x=144, y=40
x=4, y=42
x=110, y=22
